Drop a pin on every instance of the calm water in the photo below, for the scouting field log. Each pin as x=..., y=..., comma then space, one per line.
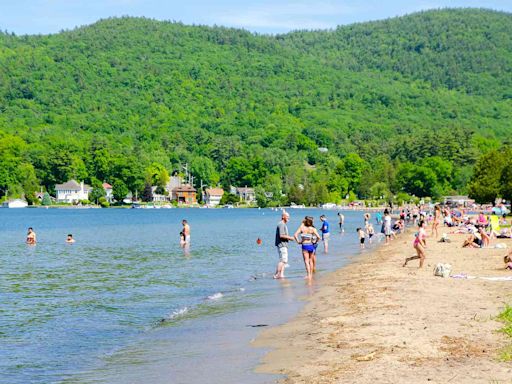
x=125, y=304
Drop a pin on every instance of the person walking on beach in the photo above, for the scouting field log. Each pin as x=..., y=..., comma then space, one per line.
x=304, y=236
x=325, y=233
x=419, y=244
x=31, y=237
x=341, y=221
x=386, y=226
x=282, y=238
x=436, y=221
x=186, y=231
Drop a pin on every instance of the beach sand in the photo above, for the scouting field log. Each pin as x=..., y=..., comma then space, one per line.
x=376, y=321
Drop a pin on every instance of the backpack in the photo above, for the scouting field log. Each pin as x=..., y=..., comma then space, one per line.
x=442, y=270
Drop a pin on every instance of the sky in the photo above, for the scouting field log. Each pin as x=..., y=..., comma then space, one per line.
x=262, y=16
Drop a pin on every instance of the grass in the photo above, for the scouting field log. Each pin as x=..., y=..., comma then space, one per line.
x=506, y=318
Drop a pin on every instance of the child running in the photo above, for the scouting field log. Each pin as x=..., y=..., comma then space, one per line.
x=419, y=244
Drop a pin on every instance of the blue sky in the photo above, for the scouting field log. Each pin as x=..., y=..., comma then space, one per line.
x=264, y=16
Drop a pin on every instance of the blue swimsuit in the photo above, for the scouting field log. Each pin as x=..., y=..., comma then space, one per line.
x=309, y=247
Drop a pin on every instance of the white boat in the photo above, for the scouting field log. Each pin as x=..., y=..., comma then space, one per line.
x=295, y=206
x=329, y=206
x=16, y=203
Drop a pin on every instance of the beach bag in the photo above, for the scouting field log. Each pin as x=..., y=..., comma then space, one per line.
x=442, y=270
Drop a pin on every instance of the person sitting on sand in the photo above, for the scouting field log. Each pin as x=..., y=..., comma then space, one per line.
x=484, y=236
x=419, y=244
x=482, y=220
x=69, y=239
x=507, y=259
x=505, y=233
x=474, y=240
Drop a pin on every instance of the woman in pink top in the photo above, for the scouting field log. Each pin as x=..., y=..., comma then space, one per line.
x=482, y=220
x=419, y=244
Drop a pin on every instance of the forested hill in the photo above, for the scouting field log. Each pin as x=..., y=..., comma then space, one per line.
x=402, y=105
x=464, y=49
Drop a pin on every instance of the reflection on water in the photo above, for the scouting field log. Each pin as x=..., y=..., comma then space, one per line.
x=126, y=299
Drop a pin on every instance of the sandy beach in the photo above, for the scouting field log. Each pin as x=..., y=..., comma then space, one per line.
x=376, y=321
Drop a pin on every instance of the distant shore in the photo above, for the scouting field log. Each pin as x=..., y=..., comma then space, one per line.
x=375, y=321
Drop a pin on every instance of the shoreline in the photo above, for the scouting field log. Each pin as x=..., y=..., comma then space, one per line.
x=374, y=320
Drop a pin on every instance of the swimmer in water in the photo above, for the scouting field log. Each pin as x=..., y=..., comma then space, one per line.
x=186, y=231
x=70, y=239
x=31, y=236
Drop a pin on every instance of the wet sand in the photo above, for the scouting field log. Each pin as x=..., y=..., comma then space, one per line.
x=376, y=321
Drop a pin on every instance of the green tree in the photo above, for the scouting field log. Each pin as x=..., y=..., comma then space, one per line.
x=484, y=186
x=97, y=191
x=147, y=194
x=506, y=181
x=28, y=181
x=119, y=190
x=46, y=199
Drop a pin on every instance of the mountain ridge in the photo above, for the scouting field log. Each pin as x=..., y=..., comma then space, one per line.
x=106, y=101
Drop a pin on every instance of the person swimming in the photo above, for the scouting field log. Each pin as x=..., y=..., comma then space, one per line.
x=70, y=239
x=31, y=237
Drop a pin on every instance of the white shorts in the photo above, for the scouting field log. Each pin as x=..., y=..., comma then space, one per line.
x=325, y=236
x=283, y=254
x=187, y=239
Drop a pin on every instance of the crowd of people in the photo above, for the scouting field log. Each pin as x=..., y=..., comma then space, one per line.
x=428, y=219
x=308, y=237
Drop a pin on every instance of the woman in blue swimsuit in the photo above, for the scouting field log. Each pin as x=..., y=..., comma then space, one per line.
x=304, y=236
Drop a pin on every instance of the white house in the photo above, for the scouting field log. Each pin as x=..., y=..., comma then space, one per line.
x=108, y=192
x=71, y=192
x=158, y=197
x=213, y=196
x=16, y=203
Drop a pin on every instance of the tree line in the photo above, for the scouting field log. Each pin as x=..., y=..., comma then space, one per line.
x=405, y=107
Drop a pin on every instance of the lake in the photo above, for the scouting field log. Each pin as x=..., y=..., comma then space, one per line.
x=126, y=304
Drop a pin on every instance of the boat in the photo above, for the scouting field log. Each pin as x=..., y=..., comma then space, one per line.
x=16, y=203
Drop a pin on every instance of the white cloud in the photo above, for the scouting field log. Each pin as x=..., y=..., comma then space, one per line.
x=289, y=15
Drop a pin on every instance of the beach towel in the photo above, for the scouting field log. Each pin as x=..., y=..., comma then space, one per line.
x=495, y=223
x=469, y=277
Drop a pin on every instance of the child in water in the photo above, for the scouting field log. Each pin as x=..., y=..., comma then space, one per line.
x=361, y=235
x=183, y=239
x=370, y=231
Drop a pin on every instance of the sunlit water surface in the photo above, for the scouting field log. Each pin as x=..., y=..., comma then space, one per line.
x=126, y=304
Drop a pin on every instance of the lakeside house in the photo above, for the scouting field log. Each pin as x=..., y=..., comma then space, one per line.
x=16, y=203
x=109, y=195
x=246, y=195
x=72, y=192
x=464, y=201
x=213, y=196
x=185, y=194
x=158, y=197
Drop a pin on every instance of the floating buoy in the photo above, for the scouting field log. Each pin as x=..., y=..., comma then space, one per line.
x=258, y=241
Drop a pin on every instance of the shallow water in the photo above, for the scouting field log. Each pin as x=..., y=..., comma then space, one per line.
x=125, y=304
